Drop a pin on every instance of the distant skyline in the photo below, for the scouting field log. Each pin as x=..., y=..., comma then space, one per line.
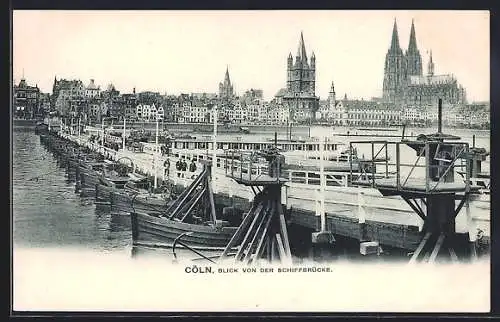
x=188, y=51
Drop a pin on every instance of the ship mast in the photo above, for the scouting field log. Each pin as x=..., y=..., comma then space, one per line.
x=322, y=182
x=156, y=155
x=214, y=156
x=102, y=134
x=123, y=136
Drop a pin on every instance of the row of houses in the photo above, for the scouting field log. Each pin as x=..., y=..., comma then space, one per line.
x=90, y=103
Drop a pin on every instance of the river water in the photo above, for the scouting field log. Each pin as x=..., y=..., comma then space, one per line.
x=46, y=210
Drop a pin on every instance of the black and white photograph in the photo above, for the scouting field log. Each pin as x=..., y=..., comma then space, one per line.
x=250, y=161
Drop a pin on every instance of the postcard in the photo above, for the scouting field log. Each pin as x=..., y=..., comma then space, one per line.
x=250, y=161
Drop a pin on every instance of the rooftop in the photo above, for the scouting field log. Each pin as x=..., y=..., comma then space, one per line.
x=432, y=80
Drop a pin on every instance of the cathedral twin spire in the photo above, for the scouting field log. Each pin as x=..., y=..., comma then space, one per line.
x=412, y=45
x=395, y=38
x=399, y=65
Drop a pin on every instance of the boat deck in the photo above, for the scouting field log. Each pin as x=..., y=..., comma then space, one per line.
x=256, y=180
x=416, y=185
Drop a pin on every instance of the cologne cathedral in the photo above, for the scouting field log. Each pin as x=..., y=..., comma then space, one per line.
x=406, y=86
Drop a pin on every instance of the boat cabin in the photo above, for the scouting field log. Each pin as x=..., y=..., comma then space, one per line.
x=245, y=144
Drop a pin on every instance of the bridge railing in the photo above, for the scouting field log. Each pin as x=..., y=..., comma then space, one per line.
x=251, y=165
x=433, y=166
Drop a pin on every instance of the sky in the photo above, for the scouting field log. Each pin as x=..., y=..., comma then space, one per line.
x=188, y=51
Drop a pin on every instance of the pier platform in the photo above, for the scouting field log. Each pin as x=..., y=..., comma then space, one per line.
x=390, y=227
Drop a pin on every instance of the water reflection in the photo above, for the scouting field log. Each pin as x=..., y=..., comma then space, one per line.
x=46, y=210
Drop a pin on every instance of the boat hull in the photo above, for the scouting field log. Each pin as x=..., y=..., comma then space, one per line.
x=151, y=230
x=121, y=201
x=88, y=179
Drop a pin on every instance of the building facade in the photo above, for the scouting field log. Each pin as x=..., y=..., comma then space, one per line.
x=349, y=112
x=25, y=100
x=92, y=90
x=68, y=96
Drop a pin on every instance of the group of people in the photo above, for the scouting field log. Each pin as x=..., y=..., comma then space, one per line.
x=182, y=166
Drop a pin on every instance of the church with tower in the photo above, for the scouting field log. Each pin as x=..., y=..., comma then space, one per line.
x=299, y=96
x=404, y=83
x=226, y=90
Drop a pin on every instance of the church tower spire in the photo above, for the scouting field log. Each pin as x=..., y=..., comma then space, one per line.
x=299, y=96
x=331, y=96
x=395, y=38
x=413, y=58
x=301, y=50
x=412, y=46
x=226, y=78
x=394, y=69
x=430, y=66
x=225, y=87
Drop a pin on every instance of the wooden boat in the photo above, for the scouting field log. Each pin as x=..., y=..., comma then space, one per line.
x=143, y=197
x=148, y=229
x=192, y=217
x=223, y=129
x=131, y=193
x=41, y=128
x=90, y=173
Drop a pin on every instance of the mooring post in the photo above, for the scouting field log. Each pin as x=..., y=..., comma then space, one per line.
x=440, y=115
x=423, y=206
x=361, y=215
x=471, y=230
x=323, y=239
x=398, y=168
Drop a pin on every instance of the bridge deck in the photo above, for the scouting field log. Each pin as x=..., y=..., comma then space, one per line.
x=414, y=185
x=256, y=180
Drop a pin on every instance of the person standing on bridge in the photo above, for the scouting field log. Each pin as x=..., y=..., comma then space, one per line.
x=184, y=167
x=166, y=165
x=192, y=167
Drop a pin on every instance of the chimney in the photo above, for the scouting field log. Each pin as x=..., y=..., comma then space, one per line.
x=440, y=115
